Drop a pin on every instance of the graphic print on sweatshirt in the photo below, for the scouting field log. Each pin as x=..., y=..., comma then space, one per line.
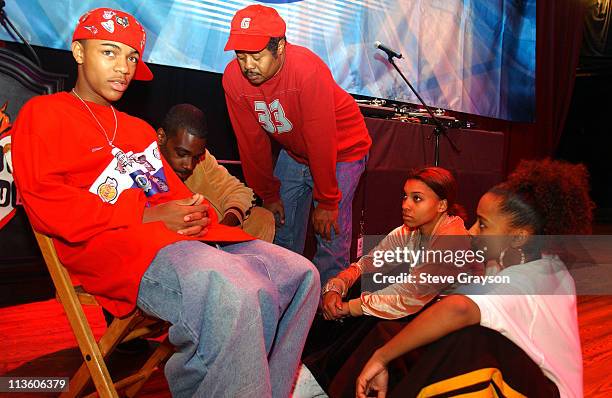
x=131, y=170
x=272, y=117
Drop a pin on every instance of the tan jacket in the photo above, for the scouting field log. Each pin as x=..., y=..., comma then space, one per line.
x=222, y=189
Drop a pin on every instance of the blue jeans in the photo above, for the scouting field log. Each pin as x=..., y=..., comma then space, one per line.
x=239, y=316
x=296, y=193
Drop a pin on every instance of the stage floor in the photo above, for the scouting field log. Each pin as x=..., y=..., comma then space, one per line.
x=36, y=340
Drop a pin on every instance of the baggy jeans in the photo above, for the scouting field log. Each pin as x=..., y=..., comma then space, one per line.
x=240, y=316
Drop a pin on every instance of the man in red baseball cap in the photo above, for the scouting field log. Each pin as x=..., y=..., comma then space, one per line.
x=252, y=28
x=129, y=230
x=280, y=91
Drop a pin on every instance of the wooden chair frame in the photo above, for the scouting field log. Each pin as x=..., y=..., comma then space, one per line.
x=137, y=324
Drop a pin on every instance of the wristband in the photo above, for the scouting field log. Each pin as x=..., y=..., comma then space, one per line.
x=237, y=213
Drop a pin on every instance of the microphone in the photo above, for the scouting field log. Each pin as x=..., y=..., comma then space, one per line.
x=390, y=53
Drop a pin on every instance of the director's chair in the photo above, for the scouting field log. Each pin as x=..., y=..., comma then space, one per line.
x=137, y=324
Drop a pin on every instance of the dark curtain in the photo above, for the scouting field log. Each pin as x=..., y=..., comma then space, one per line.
x=597, y=40
x=559, y=31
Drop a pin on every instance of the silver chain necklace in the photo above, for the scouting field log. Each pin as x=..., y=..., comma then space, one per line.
x=110, y=141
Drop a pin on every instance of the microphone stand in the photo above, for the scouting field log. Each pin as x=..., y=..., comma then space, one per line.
x=439, y=129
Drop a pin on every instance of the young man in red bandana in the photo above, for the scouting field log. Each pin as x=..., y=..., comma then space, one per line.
x=124, y=224
x=280, y=91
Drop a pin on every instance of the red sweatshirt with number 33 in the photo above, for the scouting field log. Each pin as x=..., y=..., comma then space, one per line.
x=306, y=112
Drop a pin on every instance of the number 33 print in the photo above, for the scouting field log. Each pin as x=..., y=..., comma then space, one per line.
x=272, y=118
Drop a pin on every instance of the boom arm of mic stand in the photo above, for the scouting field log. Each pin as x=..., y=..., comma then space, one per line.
x=439, y=129
x=6, y=22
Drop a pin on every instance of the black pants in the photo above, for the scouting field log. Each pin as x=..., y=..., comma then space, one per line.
x=478, y=359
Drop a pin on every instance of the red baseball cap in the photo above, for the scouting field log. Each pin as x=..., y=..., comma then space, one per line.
x=253, y=26
x=115, y=25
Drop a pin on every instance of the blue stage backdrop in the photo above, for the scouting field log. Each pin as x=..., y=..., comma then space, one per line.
x=473, y=56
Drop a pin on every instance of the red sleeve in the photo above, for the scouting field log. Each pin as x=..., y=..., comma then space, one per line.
x=178, y=190
x=320, y=136
x=54, y=207
x=254, y=147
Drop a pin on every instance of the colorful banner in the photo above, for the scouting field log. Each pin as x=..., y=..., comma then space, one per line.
x=8, y=191
x=473, y=56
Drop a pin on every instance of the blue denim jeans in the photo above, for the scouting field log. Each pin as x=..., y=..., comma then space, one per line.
x=239, y=316
x=296, y=193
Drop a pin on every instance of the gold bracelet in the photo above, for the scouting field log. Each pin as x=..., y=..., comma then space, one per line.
x=331, y=286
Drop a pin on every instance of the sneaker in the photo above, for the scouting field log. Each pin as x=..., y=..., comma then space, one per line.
x=306, y=386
